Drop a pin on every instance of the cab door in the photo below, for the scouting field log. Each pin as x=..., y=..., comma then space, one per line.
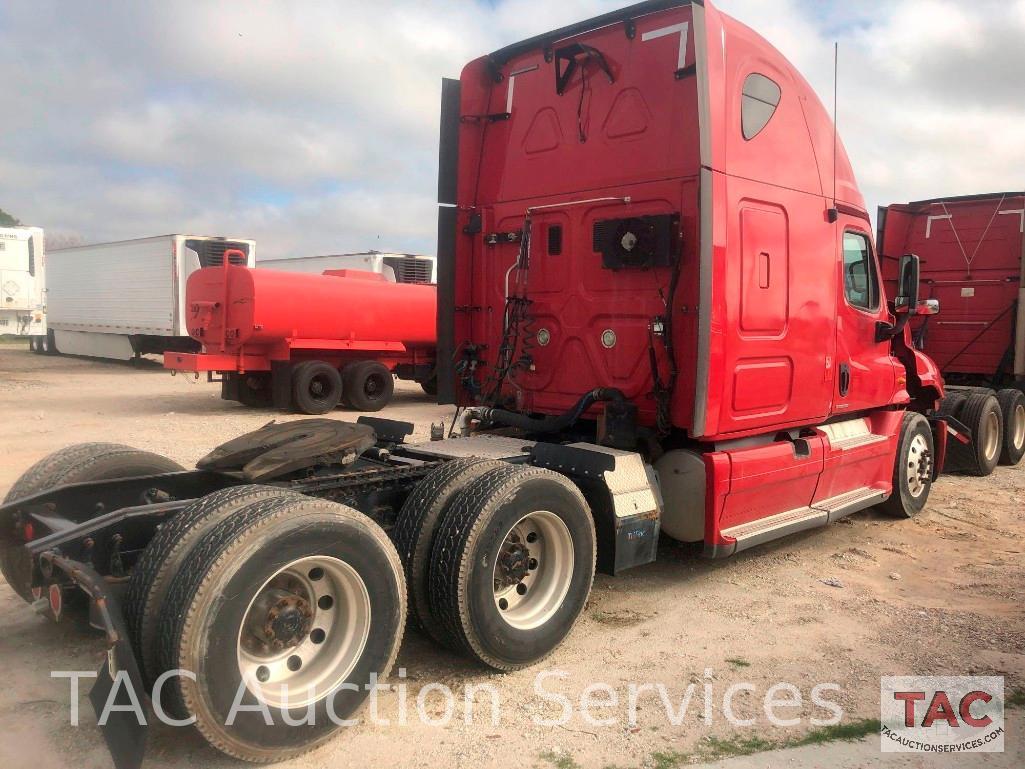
x=865, y=373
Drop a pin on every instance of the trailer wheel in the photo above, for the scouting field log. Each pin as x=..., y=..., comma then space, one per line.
x=303, y=593
x=912, y=468
x=415, y=528
x=165, y=556
x=513, y=562
x=1012, y=408
x=981, y=414
x=430, y=386
x=254, y=389
x=77, y=463
x=952, y=404
x=369, y=385
x=316, y=387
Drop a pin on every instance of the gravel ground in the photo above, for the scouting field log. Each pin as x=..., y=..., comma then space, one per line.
x=940, y=594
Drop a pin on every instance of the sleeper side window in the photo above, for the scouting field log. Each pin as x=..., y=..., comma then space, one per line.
x=759, y=100
x=861, y=284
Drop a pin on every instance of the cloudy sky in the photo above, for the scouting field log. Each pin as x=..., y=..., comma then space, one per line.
x=312, y=126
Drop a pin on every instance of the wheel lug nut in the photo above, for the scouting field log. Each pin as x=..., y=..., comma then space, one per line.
x=532, y=564
x=521, y=589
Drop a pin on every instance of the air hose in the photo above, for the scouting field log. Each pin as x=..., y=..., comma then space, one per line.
x=548, y=424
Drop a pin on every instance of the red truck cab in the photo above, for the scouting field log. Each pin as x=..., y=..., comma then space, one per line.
x=653, y=207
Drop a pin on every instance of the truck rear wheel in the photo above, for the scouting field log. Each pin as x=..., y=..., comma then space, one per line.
x=78, y=463
x=980, y=414
x=912, y=468
x=316, y=387
x=297, y=593
x=1012, y=408
x=369, y=385
x=415, y=528
x=513, y=562
x=165, y=556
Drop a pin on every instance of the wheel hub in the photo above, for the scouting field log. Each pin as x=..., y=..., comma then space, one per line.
x=304, y=631
x=513, y=563
x=280, y=619
x=919, y=466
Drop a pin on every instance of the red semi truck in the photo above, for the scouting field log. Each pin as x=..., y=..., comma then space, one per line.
x=655, y=317
x=308, y=342
x=972, y=251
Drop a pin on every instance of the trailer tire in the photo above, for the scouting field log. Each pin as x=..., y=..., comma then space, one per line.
x=369, y=385
x=952, y=404
x=430, y=386
x=912, y=468
x=414, y=531
x=77, y=463
x=283, y=566
x=1012, y=408
x=166, y=554
x=254, y=390
x=316, y=387
x=32, y=344
x=484, y=540
x=982, y=415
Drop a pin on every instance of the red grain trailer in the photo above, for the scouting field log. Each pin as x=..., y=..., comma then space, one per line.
x=972, y=252
x=309, y=342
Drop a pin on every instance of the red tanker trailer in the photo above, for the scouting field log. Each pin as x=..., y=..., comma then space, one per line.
x=308, y=342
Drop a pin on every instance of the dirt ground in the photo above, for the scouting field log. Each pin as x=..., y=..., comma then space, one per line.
x=940, y=595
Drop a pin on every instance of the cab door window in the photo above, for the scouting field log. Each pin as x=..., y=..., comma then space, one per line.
x=861, y=283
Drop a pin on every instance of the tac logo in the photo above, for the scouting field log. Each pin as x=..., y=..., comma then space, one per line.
x=941, y=714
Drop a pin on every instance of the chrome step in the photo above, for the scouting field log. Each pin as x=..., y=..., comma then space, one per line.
x=850, y=502
x=762, y=530
x=856, y=441
x=756, y=532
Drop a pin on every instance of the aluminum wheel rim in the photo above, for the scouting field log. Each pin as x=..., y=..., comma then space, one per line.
x=1018, y=426
x=328, y=612
x=533, y=570
x=919, y=464
x=991, y=433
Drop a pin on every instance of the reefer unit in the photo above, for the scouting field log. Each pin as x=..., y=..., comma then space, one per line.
x=22, y=300
x=398, y=268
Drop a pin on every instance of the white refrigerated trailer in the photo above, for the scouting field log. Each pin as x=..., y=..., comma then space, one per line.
x=399, y=268
x=22, y=298
x=126, y=299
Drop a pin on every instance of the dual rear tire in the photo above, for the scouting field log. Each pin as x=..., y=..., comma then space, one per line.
x=997, y=425
x=78, y=463
x=512, y=557
x=274, y=602
x=318, y=387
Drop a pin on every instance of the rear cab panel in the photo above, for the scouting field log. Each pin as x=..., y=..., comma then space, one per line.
x=575, y=158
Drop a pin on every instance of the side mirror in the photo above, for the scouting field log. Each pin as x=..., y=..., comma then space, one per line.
x=909, y=272
x=907, y=302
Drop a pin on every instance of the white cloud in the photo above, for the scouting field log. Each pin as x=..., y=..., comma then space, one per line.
x=312, y=126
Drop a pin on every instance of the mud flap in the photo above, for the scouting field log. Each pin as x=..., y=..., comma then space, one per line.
x=129, y=713
x=124, y=734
